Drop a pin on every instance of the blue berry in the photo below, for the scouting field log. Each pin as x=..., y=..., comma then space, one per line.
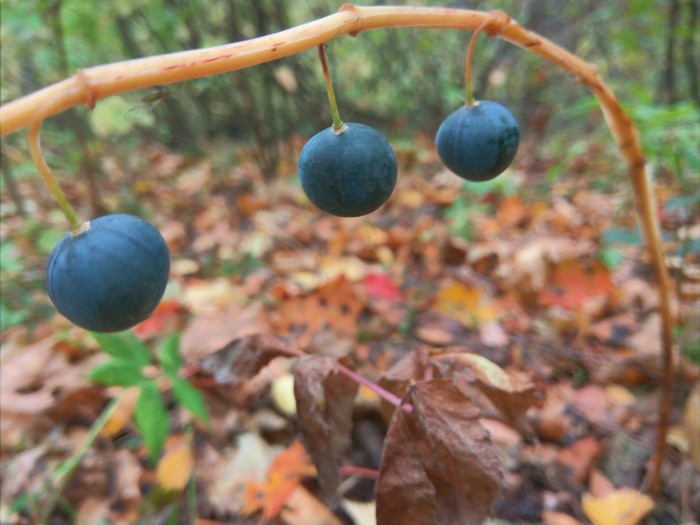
x=348, y=174
x=111, y=276
x=478, y=142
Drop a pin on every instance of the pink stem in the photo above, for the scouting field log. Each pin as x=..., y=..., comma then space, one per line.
x=353, y=470
x=384, y=394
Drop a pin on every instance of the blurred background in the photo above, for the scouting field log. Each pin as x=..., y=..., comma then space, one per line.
x=401, y=81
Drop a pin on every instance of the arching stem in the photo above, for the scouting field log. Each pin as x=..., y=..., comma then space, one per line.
x=338, y=126
x=34, y=141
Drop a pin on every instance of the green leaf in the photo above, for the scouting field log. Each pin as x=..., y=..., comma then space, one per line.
x=125, y=346
x=169, y=355
x=117, y=372
x=151, y=418
x=611, y=257
x=191, y=398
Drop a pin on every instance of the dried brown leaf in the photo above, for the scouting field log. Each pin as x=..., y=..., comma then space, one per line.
x=439, y=467
x=511, y=395
x=324, y=399
x=413, y=366
x=207, y=334
x=242, y=359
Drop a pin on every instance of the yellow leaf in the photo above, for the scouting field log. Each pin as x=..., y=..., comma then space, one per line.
x=465, y=304
x=175, y=467
x=623, y=506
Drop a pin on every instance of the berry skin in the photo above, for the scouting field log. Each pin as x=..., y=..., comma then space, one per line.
x=111, y=276
x=478, y=142
x=348, y=174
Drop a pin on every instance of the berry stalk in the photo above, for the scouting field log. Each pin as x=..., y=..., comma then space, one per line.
x=469, y=90
x=338, y=126
x=34, y=141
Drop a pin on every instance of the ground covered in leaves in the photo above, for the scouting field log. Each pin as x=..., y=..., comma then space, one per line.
x=516, y=321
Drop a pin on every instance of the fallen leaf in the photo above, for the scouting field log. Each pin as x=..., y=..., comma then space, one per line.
x=599, y=485
x=325, y=400
x=579, y=457
x=175, y=466
x=623, y=506
x=572, y=284
x=691, y=423
x=361, y=512
x=282, y=395
x=207, y=334
x=511, y=395
x=334, y=305
x=380, y=286
x=302, y=508
x=236, y=469
x=210, y=297
x=284, y=475
x=438, y=466
x=122, y=414
x=414, y=366
x=163, y=320
x=468, y=305
x=242, y=359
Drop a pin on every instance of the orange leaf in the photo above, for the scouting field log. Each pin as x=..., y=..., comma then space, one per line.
x=122, y=414
x=573, y=284
x=286, y=471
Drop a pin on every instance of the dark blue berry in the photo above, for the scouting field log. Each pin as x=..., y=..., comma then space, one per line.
x=348, y=174
x=111, y=276
x=478, y=142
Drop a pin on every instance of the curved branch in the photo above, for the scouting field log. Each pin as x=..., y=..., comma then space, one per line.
x=100, y=82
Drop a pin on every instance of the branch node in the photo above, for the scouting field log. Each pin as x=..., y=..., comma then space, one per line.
x=497, y=22
x=90, y=97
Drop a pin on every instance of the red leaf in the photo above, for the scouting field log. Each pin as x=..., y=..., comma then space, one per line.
x=379, y=286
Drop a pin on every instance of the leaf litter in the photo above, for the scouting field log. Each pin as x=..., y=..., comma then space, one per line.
x=526, y=363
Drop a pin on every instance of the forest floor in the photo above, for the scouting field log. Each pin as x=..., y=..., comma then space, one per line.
x=546, y=279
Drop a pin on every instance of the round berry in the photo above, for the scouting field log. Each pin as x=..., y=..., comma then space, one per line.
x=110, y=275
x=478, y=142
x=349, y=173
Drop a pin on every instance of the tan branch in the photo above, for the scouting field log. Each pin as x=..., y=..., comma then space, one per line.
x=93, y=84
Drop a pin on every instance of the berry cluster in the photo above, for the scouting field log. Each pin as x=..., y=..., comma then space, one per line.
x=109, y=274
x=352, y=171
x=349, y=170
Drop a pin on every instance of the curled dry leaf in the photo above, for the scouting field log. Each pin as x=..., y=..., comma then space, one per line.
x=414, y=366
x=325, y=400
x=511, y=395
x=439, y=467
x=242, y=359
